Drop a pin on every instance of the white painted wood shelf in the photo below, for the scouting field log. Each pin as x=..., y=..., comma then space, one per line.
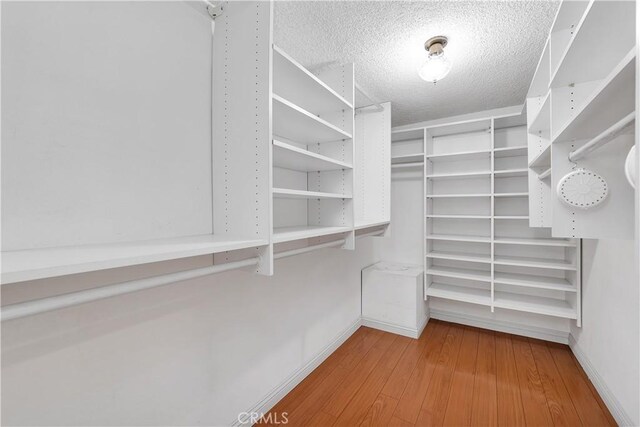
x=407, y=158
x=533, y=281
x=460, y=175
x=289, y=156
x=287, y=193
x=515, y=151
x=459, y=238
x=457, y=256
x=296, y=124
x=511, y=173
x=288, y=234
x=534, y=304
x=19, y=266
x=460, y=273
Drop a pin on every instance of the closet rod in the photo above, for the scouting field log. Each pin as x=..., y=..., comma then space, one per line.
x=378, y=106
x=604, y=138
x=371, y=233
x=544, y=174
x=29, y=308
x=407, y=165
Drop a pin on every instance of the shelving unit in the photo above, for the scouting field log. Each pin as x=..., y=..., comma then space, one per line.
x=584, y=84
x=479, y=248
x=313, y=153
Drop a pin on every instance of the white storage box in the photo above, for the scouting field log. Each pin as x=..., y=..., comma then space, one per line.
x=392, y=298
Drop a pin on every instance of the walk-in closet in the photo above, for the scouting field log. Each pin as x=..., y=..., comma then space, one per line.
x=320, y=213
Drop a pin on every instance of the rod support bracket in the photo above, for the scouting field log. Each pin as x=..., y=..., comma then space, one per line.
x=215, y=10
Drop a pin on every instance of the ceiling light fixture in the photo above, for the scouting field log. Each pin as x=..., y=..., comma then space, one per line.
x=437, y=65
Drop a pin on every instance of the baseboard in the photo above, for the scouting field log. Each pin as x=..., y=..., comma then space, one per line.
x=502, y=326
x=294, y=379
x=395, y=329
x=614, y=406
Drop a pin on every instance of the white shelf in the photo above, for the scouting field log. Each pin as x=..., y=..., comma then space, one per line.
x=288, y=234
x=291, y=157
x=511, y=173
x=286, y=193
x=288, y=74
x=516, y=217
x=543, y=159
x=608, y=103
x=531, y=281
x=534, y=304
x=458, y=216
x=460, y=273
x=522, y=194
x=462, y=155
x=534, y=242
x=541, y=123
x=461, y=175
x=460, y=293
x=19, y=266
x=510, y=151
x=407, y=158
x=457, y=256
x=445, y=196
x=534, y=262
x=459, y=238
x=590, y=52
x=296, y=124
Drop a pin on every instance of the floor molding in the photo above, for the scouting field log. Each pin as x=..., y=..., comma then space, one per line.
x=614, y=406
x=294, y=379
x=502, y=326
x=395, y=329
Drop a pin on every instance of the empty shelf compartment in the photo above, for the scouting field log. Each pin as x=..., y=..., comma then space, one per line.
x=460, y=293
x=288, y=156
x=533, y=281
x=534, y=262
x=459, y=238
x=459, y=256
x=460, y=273
x=304, y=194
x=534, y=304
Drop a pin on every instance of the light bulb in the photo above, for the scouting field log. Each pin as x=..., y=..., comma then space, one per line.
x=435, y=68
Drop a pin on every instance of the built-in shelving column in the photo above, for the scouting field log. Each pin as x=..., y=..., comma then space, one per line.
x=313, y=154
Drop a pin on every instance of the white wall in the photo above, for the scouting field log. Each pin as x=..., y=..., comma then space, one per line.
x=608, y=343
x=193, y=353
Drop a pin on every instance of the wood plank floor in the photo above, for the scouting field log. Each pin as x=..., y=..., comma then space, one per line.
x=453, y=375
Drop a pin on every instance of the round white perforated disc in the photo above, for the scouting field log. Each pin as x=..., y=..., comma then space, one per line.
x=582, y=189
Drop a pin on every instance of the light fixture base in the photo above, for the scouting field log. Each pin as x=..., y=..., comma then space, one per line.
x=442, y=40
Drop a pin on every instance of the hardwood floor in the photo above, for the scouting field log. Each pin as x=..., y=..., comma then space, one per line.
x=453, y=375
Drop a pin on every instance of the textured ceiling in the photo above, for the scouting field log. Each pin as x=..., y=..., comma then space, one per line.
x=494, y=47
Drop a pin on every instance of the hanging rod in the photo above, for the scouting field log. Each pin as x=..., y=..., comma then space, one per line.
x=407, y=165
x=544, y=174
x=378, y=106
x=604, y=138
x=43, y=305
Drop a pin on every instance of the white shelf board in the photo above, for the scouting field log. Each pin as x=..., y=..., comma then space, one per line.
x=460, y=273
x=511, y=173
x=448, y=196
x=510, y=151
x=407, y=135
x=534, y=242
x=288, y=234
x=590, y=52
x=457, y=256
x=291, y=157
x=531, y=281
x=287, y=193
x=462, y=155
x=522, y=194
x=534, y=304
x=407, y=158
x=534, y=262
x=610, y=101
x=542, y=160
x=296, y=124
x=19, y=266
x=318, y=95
x=460, y=175
x=460, y=293
x=459, y=238
x=541, y=123
x=516, y=217
x=458, y=216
